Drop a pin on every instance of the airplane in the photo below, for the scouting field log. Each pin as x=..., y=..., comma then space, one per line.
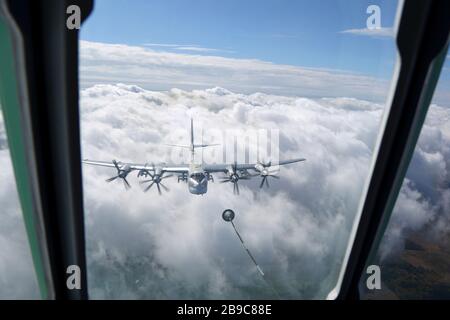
x=195, y=174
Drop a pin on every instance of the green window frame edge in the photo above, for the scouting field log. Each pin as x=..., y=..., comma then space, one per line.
x=10, y=107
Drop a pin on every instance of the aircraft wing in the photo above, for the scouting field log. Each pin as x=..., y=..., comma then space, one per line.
x=176, y=169
x=239, y=166
x=134, y=166
x=283, y=162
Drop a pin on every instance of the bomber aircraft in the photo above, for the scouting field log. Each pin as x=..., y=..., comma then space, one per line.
x=195, y=174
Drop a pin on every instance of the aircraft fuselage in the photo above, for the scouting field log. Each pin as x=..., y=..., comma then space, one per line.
x=197, y=180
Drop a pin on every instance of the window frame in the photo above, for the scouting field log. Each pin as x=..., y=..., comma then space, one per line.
x=45, y=83
x=422, y=40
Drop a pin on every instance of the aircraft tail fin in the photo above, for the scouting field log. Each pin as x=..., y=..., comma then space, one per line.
x=195, y=146
x=192, y=146
x=202, y=145
x=192, y=133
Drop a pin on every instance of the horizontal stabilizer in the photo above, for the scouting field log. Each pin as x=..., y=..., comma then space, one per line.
x=205, y=145
x=178, y=145
x=189, y=147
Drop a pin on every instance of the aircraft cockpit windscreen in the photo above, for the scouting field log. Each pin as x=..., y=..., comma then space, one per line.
x=198, y=177
x=278, y=104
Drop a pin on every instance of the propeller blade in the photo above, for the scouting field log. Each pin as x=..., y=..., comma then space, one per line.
x=164, y=187
x=111, y=179
x=170, y=175
x=159, y=188
x=267, y=183
x=149, y=186
x=262, y=182
x=145, y=181
x=126, y=184
x=237, y=188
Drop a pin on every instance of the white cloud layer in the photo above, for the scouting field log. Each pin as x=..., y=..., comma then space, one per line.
x=177, y=245
x=184, y=47
x=424, y=200
x=156, y=70
x=297, y=229
x=141, y=245
x=373, y=33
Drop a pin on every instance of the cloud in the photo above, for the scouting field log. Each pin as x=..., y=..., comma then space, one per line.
x=177, y=246
x=183, y=47
x=373, y=33
x=141, y=245
x=424, y=198
x=202, y=49
x=156, y=70
x=297, y=230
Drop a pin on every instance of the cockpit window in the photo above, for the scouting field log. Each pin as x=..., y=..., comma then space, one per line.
x=310, y=77
x=198, y=177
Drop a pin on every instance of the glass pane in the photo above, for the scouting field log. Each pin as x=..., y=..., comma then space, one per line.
x=309, y=77
x=414, y=256
x=17, y=276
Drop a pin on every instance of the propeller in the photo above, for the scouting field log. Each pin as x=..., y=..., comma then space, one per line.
x=234, y=177
x=122, y=173
x=260, y=166
x=156, y=179
x=264, y=172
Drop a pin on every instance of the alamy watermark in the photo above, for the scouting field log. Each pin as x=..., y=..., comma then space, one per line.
x=74, y=17
x=213, y=146
x=73, y=281
x=373, y=22
x=373, y=281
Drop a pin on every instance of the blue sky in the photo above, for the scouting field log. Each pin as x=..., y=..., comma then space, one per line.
x=301, y=33
x=329, y=35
